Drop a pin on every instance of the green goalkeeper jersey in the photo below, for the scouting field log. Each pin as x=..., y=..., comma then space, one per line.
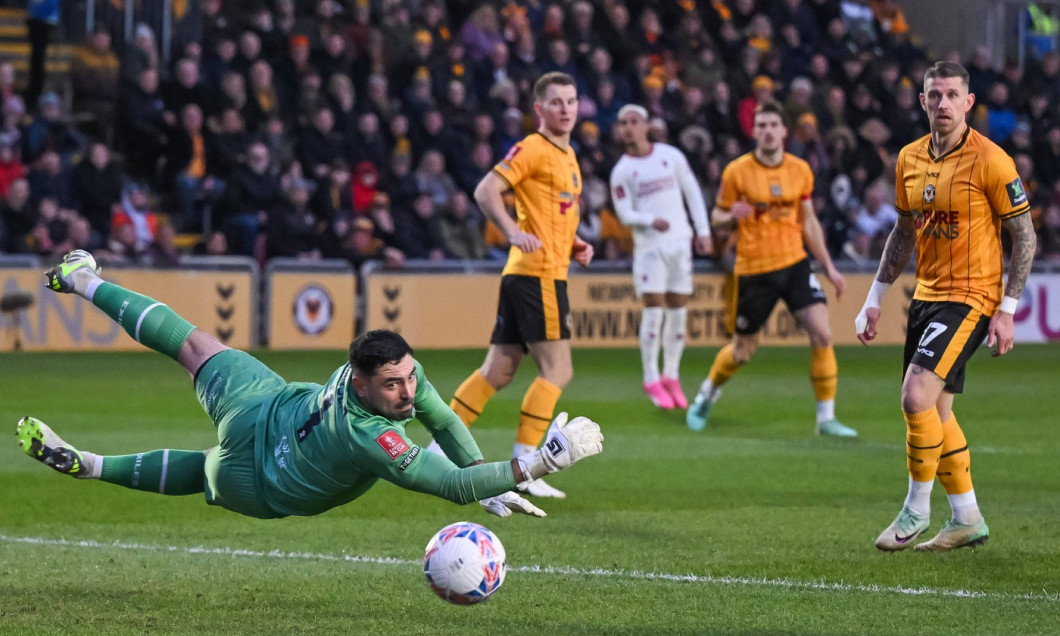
x=318, y=448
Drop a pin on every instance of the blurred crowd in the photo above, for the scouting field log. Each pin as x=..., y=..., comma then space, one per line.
x=358, y=129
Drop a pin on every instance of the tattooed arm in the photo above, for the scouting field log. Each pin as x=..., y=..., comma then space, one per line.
x=895, y=257
x=1024, y=242
x=897, y=251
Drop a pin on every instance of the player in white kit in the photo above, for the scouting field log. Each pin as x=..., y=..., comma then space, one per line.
x=651, y=185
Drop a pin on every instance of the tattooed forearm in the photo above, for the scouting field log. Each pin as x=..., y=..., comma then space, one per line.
x=898, y=250
x=1024, y=243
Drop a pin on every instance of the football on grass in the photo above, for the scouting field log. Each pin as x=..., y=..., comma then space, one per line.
x=464, y=563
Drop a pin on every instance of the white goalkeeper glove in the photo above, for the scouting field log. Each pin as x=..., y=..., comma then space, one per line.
x=504, y=504
x=566, y=443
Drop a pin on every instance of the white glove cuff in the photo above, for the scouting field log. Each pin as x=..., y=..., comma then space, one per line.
x=876, y=294
x=1009, y=304
x=531, y=464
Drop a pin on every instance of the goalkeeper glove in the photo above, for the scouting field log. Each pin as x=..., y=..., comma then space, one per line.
x=505, y=503
x=565, y=443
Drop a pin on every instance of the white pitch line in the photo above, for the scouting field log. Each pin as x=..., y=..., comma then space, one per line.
x=549, y=569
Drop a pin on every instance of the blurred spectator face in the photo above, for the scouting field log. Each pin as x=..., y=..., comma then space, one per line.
x=906, y=97
x=423, y=206
x=483, y=126
x=51, y=109
x=367, y=175
x=862, y=98
x=48, y=209
x=300, y=51
x=262, y=20
x=836, y=29
x=368, y=125
x=125, y=236
x=553, y=22
x=693, y=99
x=187, y=73
x=658, y=131
x=559, y=52
x=258, y=158
x=649, y=21
x=225, y=49
x=1053, y=136
x=7, y=154
x=722, y=96
x=233, y=85
x=100, y=41
x=583, y=15
x=632, y=129
x=340, y=174
x=249, y=45
x=770, y=132
x=482, y=156
x=837, y=100
x=600, y=61
x=191, y=118
x=298, y=193
x=217, y=244
x=819, y=67
x=50, y=163
x=1024, y=164
x=456, y=94
x=7, y=74
x=273, y=128
x=512, y=122
x=525, y=49
x=432, y=163
x=460, y=205
x=377, y=88
x=145, y=37
x=761, y=27
x=324, y=121
x=231, y=121
x=79, y=231
x=149, y=80
x=619, y=16
x=335, y=45
x=18, y=194
x=790, y=34
x=138, y=198
x=400, y=164
x=433, y=122
x=558, y=108
x=341, y=88
x=399, y=126
x=999, y=94
x=499, y=55
x=261, y=74
x=605, y=92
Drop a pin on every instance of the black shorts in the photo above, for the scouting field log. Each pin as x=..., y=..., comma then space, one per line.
x=941, y=337
x=531, y=309
x=756, y=295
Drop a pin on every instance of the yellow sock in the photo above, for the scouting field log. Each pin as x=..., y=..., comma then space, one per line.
x=955, y=463
x=536, y=413
x=723, y=368
x=824, y=373
x=923, y=443
x=471, y=397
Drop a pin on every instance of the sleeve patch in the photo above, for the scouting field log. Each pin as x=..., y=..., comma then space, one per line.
x=1016, y=194
x=620, y=192
x=408, y=458
x=392, y=443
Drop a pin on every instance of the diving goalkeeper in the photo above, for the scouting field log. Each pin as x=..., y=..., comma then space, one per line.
x=297, y=448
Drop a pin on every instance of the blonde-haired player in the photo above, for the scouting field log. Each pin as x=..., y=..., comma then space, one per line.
x=533, y=314
x=650, y=186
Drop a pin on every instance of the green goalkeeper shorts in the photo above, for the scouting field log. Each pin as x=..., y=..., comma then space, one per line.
x=236, y=390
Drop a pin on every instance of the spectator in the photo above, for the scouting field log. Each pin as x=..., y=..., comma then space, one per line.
x=141, y=56
x=97, y=184
x=368, y=142
x=480, y=32
x=146, y=122
x=188, y=170
x=461, y=229
x=364, y=186
x=211, y=244
x=249, y=197
x=418, y=231
x=872, y=223
x=95, y=75
x=50, y=130
x=133, y=211
x=49, y=177
x=432, y=180
x=17, y=218
x=185, y=88
x=11, y=168
x=293, y=230
x=228, y=143
x=319, y=146
x=386, y=230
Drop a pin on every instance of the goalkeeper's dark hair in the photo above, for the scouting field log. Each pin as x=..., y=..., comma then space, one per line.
x=375, y=349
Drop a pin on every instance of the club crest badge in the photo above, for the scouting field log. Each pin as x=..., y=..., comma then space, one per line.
x=929, y=193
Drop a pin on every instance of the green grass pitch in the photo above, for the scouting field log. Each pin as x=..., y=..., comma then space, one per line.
x=753, y=526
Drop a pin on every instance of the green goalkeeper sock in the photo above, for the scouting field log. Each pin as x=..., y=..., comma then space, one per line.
x=167, y=472
x=148, y=321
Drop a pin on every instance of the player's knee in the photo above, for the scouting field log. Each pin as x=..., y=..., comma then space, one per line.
x=741, y=354
x=821, y=338
x=914, y=401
